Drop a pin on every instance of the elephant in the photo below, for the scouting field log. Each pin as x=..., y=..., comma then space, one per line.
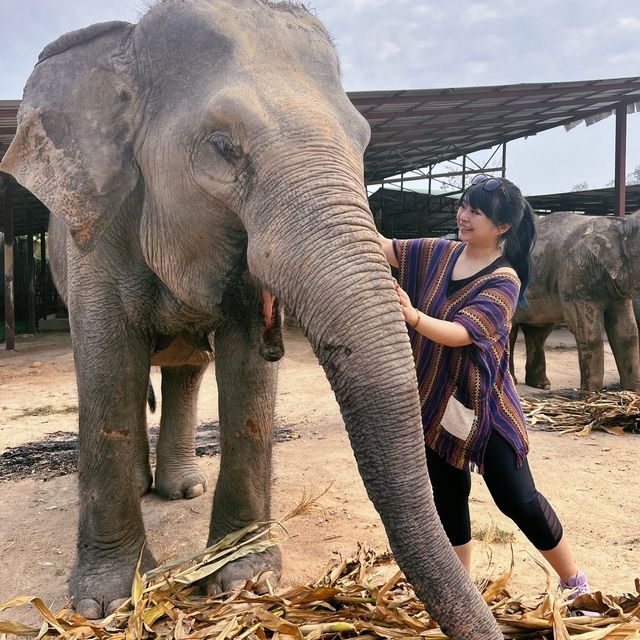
x=204, y=167
x=586, y=271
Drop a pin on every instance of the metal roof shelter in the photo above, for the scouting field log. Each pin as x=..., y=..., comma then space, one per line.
x=403, y=213
x=410, y=130
x=414, y=129
x=594, y=202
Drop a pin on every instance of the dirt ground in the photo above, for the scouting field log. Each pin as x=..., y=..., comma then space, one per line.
x=592, y=482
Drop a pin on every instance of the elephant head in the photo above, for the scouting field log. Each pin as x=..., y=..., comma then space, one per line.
x=215, y=129
x=612, y=247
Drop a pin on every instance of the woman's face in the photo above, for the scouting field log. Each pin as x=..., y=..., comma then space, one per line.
x=475, y=227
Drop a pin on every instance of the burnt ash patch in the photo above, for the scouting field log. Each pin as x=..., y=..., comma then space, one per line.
x=57, y=454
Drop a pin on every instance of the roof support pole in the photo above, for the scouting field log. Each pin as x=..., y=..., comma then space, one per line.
x=31, y=279
x=402, y=195
x=9, y=306
x=424, y=227
x=621, y=160
x=504, y=159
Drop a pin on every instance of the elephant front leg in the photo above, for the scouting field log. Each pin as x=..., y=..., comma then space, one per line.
x=246, y=389
x=112, y=373
x=622, y=332
x=586, y=322
x=536, y=364
x=178, y=474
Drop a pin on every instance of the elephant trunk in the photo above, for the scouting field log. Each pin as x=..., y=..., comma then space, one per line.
x=331, y=274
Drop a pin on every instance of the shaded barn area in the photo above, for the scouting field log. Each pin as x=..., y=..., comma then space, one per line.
x=412, y=132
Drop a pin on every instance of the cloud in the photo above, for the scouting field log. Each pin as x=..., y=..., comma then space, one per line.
x=476, y=13
x=387, y=49
x=629, y=24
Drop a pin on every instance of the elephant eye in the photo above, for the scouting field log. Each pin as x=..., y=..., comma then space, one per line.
x=223, y=146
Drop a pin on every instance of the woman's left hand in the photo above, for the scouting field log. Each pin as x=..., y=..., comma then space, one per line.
x=409, y=312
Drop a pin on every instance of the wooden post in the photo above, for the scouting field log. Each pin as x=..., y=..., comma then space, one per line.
x=621, y=160
x=9, y=307
x=31, y=285
x=44, y=289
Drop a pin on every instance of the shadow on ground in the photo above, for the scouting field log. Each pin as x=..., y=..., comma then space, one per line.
x=57, y=454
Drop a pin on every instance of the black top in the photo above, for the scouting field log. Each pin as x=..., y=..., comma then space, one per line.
x=456, y=285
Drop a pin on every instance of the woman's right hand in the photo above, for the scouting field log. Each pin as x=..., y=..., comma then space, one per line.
x=409, y=312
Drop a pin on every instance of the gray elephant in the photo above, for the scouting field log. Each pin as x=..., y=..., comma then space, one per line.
x=200, y=166
x=586, y=271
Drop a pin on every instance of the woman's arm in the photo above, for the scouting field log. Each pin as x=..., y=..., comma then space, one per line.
x=389, y=253
x=450, y=334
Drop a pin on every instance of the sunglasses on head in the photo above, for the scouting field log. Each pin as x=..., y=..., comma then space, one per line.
x=488, y=183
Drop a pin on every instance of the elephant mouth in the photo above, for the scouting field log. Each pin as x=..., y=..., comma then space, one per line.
x=271, y=345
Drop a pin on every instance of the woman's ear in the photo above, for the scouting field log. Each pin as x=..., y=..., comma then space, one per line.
x=503, y=228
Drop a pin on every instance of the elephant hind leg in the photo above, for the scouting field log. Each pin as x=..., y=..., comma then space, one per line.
x=178, y=473
x=622, y=332
x=536, y=365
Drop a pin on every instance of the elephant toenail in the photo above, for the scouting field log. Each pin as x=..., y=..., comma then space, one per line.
x=237, y=585
x=267, y=581
x=115, y=604
x=195, y=491
x=89, y=609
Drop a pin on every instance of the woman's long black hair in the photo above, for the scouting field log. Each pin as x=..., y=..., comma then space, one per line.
x=506, y=205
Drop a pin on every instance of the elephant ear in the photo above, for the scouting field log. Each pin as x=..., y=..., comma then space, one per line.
x=73, y=146
x=603, y=241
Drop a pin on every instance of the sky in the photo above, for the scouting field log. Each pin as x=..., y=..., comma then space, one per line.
x=424, y=44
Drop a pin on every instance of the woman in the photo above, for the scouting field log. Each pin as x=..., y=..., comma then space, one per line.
x=458, y=299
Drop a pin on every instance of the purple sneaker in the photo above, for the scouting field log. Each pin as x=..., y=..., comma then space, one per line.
x=577, y=583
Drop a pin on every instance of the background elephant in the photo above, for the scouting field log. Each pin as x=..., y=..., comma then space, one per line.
x=199, y=166
x=585, y=272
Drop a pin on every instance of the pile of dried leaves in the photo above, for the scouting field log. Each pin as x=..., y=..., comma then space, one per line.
x=581, y=412
x=352, y=598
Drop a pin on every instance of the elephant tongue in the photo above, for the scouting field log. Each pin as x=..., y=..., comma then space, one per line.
x=271, y=347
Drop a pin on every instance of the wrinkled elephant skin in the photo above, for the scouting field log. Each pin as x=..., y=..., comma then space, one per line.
x=203, y=166
x=586, y=270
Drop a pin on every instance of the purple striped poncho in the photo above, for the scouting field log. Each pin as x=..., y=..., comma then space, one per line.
x=477, y=374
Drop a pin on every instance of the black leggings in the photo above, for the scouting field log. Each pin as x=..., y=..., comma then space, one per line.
x=511, y=487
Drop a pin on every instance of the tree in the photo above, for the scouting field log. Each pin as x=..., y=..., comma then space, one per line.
x=634, y=176
x=581, y=186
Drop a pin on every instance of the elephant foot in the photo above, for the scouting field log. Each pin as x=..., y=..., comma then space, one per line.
x=538, y=384
x=257, y=572
x=99, y=585
x=144, y=480
x=182, y=481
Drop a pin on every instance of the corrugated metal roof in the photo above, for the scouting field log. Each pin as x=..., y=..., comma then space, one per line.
x=8, y=123
x=592, y=201
x=414, y=129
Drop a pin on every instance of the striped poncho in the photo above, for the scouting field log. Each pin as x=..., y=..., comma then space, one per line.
x=476, y=374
